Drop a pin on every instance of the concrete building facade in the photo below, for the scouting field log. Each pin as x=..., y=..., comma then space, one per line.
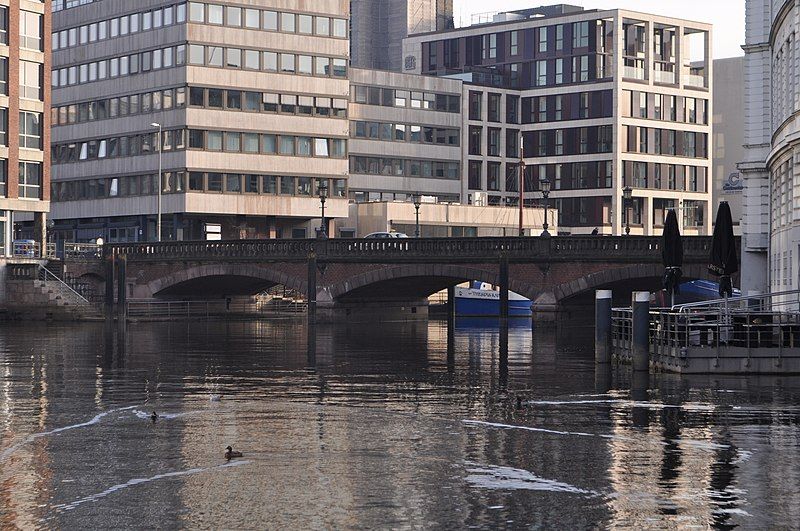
x=728, y=140
x=405, y=136
x=771, y=223
x=379, y=26
x=601, y=100
x=24, y=99
x=243, y=107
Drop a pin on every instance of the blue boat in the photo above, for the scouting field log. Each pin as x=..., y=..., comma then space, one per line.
x=481, y=300
x=693, y=291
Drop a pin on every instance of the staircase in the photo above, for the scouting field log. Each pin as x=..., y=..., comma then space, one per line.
x=36, y=292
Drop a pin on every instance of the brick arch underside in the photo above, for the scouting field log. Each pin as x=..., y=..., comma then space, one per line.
x=417, y=281
x=644, y=277
x=214, y=280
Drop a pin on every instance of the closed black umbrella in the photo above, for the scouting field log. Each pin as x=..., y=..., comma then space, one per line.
x=672, y=255
x=724, y=260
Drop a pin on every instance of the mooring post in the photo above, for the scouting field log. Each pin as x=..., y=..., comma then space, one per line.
x=122, y=297
x=602, y=326
x=451, y=305
x=641, y=330
x=312, y=289
x=109, y=298
x=504, y=288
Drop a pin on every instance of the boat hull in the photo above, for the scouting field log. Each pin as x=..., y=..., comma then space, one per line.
x=486, y=303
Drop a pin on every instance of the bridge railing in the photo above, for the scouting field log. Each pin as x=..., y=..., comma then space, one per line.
x=631, y=248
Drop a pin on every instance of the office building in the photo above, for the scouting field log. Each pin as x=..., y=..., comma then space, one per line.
x=601, y=100
x=770, y=226
x=728, y=140
x=378, y=28
x=242, y=110
x=405, y=136
x=24, y=99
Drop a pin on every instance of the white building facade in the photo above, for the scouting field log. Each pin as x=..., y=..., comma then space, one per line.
x=771, y=222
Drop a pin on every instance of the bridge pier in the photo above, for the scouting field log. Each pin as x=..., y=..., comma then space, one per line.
x=109, y=291
x=122, y=298
x=312, y=289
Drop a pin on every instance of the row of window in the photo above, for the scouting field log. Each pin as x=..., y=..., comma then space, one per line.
x=175, y=98
x=267, y=61
x=182, y=182
x=211, y=14
x=418, y=134
x=494, y=147
x=637, y=104
x=665, y=176
x=285, y=22
x=493, y=107
x=59, y=5
x=30, y=29
x=563, y=107
x=30, y=129
x=569, y=141
x=119, y=26
x=30, y=179
x=215, y=56
x=569, y=176
x=389, y=97
x=271, y=102
x=654, y=141
x=176, y=139
x=30, y=79
x=404, y=167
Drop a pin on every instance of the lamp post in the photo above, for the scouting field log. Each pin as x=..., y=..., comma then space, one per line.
x=323, y=196
x=417, y=198
x=160, y=139
x=627, y=196
x=544, y=184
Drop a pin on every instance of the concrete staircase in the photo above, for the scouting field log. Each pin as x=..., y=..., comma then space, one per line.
x=39, y=294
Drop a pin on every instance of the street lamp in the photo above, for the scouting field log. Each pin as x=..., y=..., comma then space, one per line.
x=627, y=196
x=323, y=196
x=417, y=198
x=544, y=185
x=158, y=220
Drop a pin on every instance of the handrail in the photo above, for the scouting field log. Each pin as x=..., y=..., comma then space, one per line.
x=729, y=300
x=526, y=248
x=46, y=272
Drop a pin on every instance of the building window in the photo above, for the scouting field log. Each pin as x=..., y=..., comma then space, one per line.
x=559, y=37
x=494, y=142
x=3, y=181
x=514, y=40
x=580, y=69
x=475, y=105
x=30, y=130
x=493, y=176
x=559, y=71
x=494, y=107
x=541, y=73
x=542, y=117
x=30, y=179
x=512, y=106
x=4, y=27
x=30, y=80
x=580, y=34
x=475, y=175
x=542, y=40
x=559, y=142
x=30, y=30
x=475, y=134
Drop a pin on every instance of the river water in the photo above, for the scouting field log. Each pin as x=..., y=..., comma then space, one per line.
x=381, y=427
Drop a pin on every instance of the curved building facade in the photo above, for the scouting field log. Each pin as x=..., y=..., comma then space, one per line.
x=771, y=170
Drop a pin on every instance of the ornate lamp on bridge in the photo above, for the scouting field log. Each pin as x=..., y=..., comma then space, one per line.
x=544, y=185
x=417, y=198
x=627, y=197
x=322, y=190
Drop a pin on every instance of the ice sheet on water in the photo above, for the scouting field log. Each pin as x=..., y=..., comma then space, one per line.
x=508, y=478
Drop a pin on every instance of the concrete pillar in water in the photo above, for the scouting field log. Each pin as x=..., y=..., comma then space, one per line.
x=602, y=326
x=109, y=297
x=312, y=289
x=122, y=296
x=641, y=330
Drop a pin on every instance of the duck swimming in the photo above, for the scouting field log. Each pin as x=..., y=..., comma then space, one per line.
x=154, y=416
x=230, y=453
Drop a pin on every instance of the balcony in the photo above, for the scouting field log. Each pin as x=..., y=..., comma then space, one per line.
x=664, y=76
x=694, y=80
x=633, y=72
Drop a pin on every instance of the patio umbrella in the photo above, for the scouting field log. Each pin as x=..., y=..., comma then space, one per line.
x=672, y=255
x=724, y=260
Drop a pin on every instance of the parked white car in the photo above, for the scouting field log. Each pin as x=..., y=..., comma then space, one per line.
x=386, y=235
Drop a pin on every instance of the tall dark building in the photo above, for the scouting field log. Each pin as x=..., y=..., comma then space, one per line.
x=378, y=28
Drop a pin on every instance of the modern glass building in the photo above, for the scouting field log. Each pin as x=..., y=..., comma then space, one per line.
x=601, y=101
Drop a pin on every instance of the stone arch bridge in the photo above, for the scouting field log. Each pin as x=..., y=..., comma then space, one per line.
x=394, y=275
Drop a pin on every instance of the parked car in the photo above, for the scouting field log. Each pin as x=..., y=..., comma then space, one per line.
x=386, y=235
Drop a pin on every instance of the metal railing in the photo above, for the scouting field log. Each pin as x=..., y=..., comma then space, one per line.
x=77, y=251
x=762, y=301
x=567, y=248
x=50, y=278
x=671, y=332
x=150, y=308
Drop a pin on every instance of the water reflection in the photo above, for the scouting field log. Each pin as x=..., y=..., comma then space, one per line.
x=403, y=425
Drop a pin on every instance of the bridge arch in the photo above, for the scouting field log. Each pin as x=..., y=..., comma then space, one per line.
x=418, y=281
x=635, y=277
x=216, y=280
